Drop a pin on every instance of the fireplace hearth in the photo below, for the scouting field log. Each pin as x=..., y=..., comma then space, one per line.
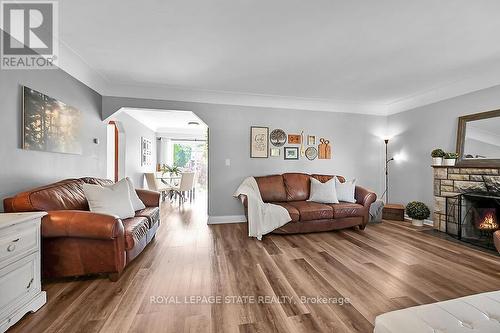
x=473, y=217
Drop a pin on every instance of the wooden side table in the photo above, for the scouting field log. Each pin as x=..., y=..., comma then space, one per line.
x=20, y=280
x=395, y=212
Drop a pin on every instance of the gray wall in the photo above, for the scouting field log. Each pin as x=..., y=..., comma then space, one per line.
x=134, y=130
x=357, y=150
x=418, y=131
x=23, y=169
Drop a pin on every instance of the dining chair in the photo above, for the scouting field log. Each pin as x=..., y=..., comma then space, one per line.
x=155, y=185
x=186, y=185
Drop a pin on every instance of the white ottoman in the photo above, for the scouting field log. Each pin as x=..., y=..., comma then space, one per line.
x=471, y=314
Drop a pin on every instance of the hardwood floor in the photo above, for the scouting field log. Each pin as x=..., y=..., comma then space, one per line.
x=388, y=266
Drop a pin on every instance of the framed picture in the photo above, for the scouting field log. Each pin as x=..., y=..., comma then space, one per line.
x=275, y=152
x=278, y=137
x=291, y=153
x=259, y=142
x=294, y=139
x=311, y=140
x=146, y=151
x=50, y=125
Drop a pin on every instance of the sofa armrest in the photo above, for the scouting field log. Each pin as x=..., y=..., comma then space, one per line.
x=364, y=197
x=81, y=224
x=496, y=239
x=149, y=198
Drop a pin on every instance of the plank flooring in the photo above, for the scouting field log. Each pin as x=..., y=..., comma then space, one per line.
x=388, y=266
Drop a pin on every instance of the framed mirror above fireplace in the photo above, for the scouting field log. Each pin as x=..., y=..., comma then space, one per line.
x=478, y=140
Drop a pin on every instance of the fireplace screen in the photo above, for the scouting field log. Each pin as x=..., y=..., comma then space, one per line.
x=473, y=218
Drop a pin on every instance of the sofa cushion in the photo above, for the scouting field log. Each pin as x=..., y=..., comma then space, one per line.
x=323, y=192
x=346, y=190
x=272, y=188
x=309, y=210
x=347, y=209
x=151, y=213
x=63, y=195
x=297, y=186
x=137, y=203
x=136, y=228
x=294, y=213
x=113, y=199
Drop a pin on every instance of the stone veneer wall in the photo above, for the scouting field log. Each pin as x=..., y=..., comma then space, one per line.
x=450, y=181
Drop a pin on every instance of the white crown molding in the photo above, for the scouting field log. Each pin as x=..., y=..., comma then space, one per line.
x=72, y=63
x=166, y=92
x=487, y=79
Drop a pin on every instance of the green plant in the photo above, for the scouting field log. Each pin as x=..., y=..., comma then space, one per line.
x=438, y=153
x=451, y=156
x=170, y=169
x=417, y=210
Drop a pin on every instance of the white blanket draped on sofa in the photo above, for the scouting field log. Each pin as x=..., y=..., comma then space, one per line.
x=262, y=217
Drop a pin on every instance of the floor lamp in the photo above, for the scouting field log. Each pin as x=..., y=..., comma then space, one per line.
x=387, y=160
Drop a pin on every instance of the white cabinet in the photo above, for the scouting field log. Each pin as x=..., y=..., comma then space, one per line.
x=20, y=282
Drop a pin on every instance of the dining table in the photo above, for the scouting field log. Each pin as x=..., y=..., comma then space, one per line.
x=169, y=180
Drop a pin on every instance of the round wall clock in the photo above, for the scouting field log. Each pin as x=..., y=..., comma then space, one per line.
x=311, y=153
x=278, y=137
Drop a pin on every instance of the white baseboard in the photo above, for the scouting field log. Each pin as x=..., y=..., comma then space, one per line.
x=226, y=219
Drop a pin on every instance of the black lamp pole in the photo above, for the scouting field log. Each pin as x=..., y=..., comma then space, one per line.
x=387, y=160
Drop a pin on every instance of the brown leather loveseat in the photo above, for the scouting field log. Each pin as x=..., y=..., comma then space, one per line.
x=76, y=241
x=291, y=190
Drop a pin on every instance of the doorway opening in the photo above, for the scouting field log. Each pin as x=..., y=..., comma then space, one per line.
x=179, y=158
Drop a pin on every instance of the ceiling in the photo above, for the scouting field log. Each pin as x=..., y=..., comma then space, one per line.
x=167, y=121
x=357, y=56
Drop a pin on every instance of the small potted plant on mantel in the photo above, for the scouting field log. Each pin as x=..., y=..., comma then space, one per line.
x=437, y=156
x=418, y=212
x=450, y=159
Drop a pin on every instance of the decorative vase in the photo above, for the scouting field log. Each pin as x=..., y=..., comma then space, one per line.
x=417, y=223
x=437, y=161
x=449, y=161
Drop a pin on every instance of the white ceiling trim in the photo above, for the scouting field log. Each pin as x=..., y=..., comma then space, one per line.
x=76, y=66
x=487, y=79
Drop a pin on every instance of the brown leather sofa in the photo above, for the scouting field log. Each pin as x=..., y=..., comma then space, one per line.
x=291, y=190
x=76, y=241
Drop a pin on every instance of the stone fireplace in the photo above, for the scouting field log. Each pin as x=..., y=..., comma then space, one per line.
x=453, y=181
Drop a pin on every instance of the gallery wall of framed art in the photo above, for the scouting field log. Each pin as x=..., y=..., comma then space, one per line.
x=265, y=144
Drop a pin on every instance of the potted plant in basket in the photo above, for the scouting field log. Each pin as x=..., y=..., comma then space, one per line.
x=418, y=212
x=437, y=156
x=450, y=159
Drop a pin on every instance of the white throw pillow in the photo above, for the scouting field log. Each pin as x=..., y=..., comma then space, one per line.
x=110, y=199
x=137, y=203
x=323, y=192
x=345, y=191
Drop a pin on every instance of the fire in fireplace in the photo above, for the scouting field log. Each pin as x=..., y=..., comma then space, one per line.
x=486, y=219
